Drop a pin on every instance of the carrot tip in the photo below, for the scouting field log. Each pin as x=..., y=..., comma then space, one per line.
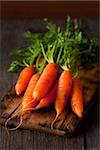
x=52, y=124
x=20, y=123
x=79, y=114
x=12, y=129
x=17, y=93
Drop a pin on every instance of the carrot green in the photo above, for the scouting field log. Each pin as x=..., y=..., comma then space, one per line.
x=71, y=45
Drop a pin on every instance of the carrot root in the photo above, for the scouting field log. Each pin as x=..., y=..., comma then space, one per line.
x=28, y=101
x=63, y=91
x=12, y=129
x=49, y=99
x=45, y=82
x=23, y=79
x=23, y=110
x=53, y=122
x=19, y=114
x=76, y=101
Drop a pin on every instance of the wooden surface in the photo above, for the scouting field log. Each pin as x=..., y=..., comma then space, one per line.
x=50, y=9
x=11, y=37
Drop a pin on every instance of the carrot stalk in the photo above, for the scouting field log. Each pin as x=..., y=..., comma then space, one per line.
x=77, y=97
x=64, y=87
x=49, y=99
x=45, y=81
x=24, y=79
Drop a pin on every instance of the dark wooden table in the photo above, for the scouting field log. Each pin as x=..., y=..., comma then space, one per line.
x=11, y=37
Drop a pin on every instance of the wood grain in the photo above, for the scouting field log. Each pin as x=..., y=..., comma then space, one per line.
x=51, y=9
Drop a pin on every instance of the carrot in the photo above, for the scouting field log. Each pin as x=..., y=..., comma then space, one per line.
x=24, y=79
x=28, y=101
x=48, y=99
x=64, y=88
x=77, y=97
x=45, y=81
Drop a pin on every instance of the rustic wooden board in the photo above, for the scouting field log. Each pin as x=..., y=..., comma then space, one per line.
x=68, y=123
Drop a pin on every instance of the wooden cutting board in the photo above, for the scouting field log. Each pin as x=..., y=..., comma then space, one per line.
x=67, y=124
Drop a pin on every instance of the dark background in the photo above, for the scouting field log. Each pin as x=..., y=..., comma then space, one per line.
x=15, y=19
x=50, y=9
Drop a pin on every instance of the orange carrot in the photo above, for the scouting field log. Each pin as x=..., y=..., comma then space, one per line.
x=49, y=99
x=45, y=81
x=24, y=79
x=28, y=102
x=77, y=97
x=64, y=87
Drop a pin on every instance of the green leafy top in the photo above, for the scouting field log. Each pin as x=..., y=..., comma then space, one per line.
x=67, y=48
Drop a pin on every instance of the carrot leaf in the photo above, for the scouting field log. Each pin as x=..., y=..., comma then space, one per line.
x=65, y=47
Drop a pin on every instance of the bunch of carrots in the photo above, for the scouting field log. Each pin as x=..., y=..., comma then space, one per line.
x=50, y=74
x=47, y=88
x=42, y=89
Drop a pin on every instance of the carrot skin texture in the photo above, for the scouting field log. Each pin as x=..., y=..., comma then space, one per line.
x=45, y=81
x=24, y=79
x=64, y=88
x=49, y=99
x=28, y=101
x=76, y=101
